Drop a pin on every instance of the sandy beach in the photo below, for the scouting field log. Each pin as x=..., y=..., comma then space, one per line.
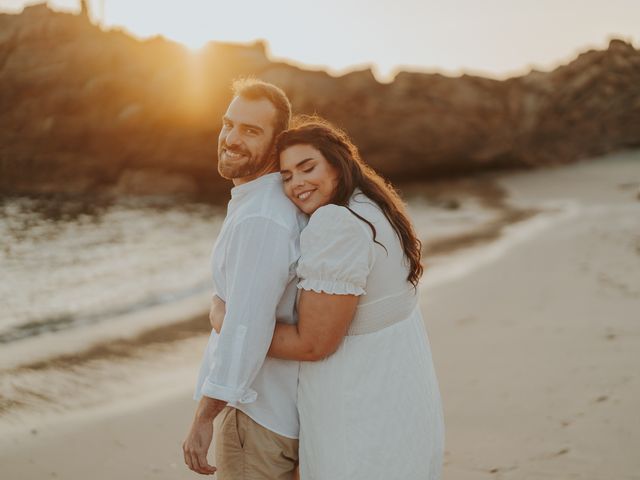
x=533, y=319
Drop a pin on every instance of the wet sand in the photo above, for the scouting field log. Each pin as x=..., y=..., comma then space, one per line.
x=537, y=349
x=532, y=317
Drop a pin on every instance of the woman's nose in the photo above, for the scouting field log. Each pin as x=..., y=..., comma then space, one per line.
x=297, y=181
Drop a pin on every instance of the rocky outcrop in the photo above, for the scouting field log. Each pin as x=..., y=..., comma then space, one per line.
x=83, y=110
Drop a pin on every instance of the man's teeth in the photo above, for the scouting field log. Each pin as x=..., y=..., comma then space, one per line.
x=305, y=195
x=233, y=154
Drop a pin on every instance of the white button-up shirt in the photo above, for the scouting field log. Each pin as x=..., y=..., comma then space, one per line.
x=253, y=264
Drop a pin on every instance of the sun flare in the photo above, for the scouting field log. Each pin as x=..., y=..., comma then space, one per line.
x=495, y=38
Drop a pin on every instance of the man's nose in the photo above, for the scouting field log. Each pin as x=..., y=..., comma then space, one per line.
x=232, y=137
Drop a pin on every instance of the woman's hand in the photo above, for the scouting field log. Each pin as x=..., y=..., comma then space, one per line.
x=216, y=313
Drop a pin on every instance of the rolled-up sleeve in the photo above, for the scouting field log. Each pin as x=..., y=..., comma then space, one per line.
x=258, y=269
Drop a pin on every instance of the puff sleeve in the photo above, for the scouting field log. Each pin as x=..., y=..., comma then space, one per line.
x=337, y=252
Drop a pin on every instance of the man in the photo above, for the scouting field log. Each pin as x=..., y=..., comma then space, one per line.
x=252, y=398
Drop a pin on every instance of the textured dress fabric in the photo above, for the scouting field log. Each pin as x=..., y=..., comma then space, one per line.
x=372, y=410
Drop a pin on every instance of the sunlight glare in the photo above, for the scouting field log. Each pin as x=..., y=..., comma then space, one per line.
x=496, y=38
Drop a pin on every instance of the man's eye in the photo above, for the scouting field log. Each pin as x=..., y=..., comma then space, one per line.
x=252, y=131
x=286, y=179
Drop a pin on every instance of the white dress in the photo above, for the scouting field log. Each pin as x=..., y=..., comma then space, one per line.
x=372, y=410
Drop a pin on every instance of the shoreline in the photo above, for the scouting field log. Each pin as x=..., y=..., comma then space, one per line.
x=134, y=337
x=533, y=332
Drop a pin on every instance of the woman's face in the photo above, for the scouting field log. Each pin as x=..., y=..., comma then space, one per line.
x=309, y=179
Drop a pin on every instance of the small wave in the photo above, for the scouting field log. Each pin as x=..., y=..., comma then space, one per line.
x=468, y=261
x=68, y=321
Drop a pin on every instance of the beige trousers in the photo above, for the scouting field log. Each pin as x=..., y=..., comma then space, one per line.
x=245, y=450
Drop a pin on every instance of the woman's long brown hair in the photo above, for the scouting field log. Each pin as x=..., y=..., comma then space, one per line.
x=342, y=154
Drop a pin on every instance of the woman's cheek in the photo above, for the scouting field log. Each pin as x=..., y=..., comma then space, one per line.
x=287, y=190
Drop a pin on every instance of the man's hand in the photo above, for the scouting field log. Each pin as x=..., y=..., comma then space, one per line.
x=217, y=312
x=198, y=441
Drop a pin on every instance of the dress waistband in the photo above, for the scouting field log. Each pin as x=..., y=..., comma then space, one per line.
x=382, y=313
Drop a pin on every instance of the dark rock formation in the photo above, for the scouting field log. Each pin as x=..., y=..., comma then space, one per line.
x=83, y=110
x=84, y=8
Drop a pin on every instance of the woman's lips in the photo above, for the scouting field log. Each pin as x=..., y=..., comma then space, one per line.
x=304, y=195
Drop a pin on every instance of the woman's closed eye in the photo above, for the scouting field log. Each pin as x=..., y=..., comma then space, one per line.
x=286, y=178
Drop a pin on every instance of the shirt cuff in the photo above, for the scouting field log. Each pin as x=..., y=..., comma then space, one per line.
x=227, y=394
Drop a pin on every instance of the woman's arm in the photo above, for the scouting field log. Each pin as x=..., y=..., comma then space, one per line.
x=216, y=313
x=323, y=321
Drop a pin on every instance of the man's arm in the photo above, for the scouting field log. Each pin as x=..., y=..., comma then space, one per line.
x=196, y=445
x=257, y=273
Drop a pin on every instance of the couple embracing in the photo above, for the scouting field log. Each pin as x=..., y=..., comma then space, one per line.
x=318, y=354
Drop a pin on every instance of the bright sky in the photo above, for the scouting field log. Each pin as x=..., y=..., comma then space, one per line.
x=495, y=38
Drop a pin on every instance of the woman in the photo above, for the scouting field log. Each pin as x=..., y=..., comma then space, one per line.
x=368, y=397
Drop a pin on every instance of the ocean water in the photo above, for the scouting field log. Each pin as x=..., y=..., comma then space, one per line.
x=65, y=263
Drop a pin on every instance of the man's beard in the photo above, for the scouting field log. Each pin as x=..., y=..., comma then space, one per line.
x=249, y=167
x=232, y=170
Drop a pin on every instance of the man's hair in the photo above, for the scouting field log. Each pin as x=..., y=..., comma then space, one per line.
x=254, y=89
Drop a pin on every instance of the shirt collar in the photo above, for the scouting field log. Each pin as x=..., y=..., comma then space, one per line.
x=357, y=193
x=246, y=188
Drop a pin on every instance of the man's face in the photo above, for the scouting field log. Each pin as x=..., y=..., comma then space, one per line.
x=245, y=140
